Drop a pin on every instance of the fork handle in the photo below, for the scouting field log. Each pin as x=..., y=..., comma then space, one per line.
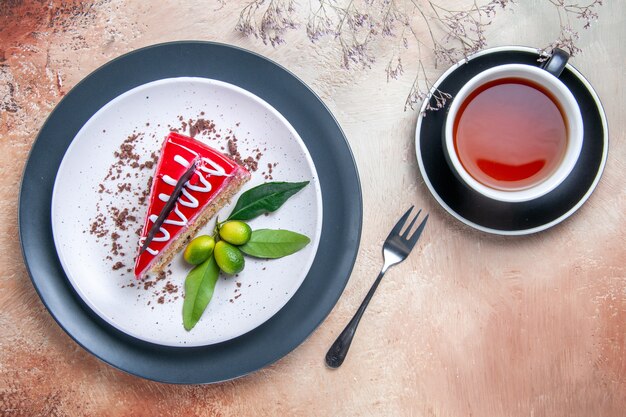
x=338, y=351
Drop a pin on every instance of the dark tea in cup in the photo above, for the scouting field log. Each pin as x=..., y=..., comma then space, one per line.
x=513, y=132
x=510, y=134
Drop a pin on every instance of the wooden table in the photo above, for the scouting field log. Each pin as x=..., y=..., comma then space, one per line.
x=470, y=325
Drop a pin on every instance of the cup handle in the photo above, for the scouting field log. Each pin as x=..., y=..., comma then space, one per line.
x=556, y=64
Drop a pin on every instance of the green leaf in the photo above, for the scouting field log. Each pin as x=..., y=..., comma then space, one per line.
x=272, y=244
x=199, y=287
x=265, y=198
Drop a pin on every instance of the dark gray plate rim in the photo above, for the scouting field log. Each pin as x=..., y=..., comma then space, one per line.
x=341, y=228
x=501, y=218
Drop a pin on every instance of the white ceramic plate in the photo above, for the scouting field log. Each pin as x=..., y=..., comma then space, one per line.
x=240, y=303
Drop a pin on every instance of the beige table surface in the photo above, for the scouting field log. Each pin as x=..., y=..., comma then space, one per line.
x=470, y=325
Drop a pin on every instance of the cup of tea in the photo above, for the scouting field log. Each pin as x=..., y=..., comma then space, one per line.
x=514, y=132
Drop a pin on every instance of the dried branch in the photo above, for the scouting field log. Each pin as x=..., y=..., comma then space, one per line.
x=357, y=25
x=276, y=17
x=569, y=14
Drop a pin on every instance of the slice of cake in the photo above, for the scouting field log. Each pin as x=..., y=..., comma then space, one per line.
x=213, y=181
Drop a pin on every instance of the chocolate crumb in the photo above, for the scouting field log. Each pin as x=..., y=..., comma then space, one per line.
x=251, y=164
x=170, y=288
x=98, y=226
x=201, y=126
x=123, y=187
x=120, y=217
x=232, y=148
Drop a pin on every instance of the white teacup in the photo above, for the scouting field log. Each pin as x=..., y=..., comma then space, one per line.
x=545, y=77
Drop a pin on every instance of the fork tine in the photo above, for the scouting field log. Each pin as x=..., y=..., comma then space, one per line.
x=408, y=229
x=396, y=229
x=418, y=232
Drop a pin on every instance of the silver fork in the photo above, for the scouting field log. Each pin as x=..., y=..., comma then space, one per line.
x=395, y=250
